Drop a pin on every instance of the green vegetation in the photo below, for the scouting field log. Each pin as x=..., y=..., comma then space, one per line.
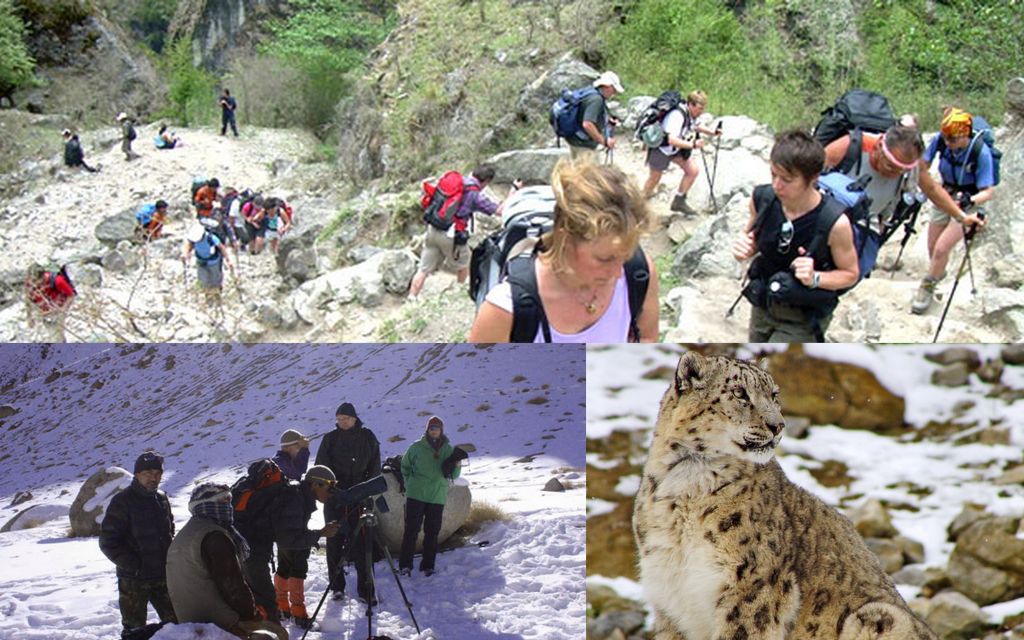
x=325, y=41
x=192, y=90
x=16, y=65
x=336, y=222
x=783, y=61
x=150, y=20
x=57, y=17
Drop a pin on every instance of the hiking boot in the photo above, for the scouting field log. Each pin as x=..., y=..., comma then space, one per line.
x=924, y=296
x=372, y=600
x=405, y=572
x=679, y=204
x=304, y=623
x=428, y=572
x=337, y=595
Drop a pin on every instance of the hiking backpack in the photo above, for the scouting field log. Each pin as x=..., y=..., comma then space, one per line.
x=441, y=201
x=145, y=214
x=204, y=249
x=855, y=112
x=981, y=134
x=198, y=182
x=131, y=132
x=61, y=272
x=393, y=465
x=648, y=128
x=566, y=117
x=252, y=493
x=509, y=254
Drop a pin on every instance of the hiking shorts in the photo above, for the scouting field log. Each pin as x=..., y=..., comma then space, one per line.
x=784, y=323
x=937, y=216
x=439, y=250
x=658, y=160
x=583, y=153
x=211, y=276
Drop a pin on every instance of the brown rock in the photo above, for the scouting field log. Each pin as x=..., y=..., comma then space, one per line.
x=970, y=514
x=1013, y=476
x=611, y=551
x=913, y=551
x=954, y=355
x=951, y=615
x=554, y=485
x=103, y=485
x=834, y=393
x=952, y=375
x=888, y=553
x=872, y=520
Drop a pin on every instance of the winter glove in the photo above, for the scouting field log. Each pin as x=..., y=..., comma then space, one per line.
x=449, y=464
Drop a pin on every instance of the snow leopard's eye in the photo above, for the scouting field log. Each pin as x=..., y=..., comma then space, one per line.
x=775, y=395
x=740, y=394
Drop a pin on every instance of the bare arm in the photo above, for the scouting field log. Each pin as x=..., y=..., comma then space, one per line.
x=649, y=314
x=492, y=324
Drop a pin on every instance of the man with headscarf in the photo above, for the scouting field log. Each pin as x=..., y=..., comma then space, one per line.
x=135, y=534
x=204, y=568
x=352, y=452
x=426, y=491
x=967, y=182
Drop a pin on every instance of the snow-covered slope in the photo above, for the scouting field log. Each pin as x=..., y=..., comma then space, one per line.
x=210, y=409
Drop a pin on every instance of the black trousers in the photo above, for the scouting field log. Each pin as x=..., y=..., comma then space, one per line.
x=292, y=563
x=421, y=514
x=257, y=574
x=356, y=550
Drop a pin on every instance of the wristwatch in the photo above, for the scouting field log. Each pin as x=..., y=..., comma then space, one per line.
x=815, y=280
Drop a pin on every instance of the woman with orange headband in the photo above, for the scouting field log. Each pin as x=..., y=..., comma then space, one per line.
x=968, y=182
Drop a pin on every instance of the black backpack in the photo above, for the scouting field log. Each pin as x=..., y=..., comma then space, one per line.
x=393, y=465
x=131, y=132
x=855, y=112
x=648, y=128
x=254, y=492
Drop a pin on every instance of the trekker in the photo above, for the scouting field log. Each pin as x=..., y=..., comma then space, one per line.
x=252, y=214
x=128, y=135
x=967, y=181
x=579, y=271
x=151, y=219
x=293, y=456
x=892, y=161
x=210, y=259
x=228, y=105
x=49, y=293
x=426, y=490
x=294, y=540
x=352, y=452
x=74, y=156
x=204, y=568
x=135, y=535
x=441, y=249
x=595, y=120
x=207, y=198
x=794, y=264
x=681, y=140
x=275, y=223
x=166, y=139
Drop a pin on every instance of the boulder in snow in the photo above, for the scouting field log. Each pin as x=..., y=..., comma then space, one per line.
x=90, y=505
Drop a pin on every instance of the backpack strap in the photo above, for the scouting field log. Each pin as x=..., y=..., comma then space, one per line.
x=827, y=218
x=527, y=309
x=764, y=196
x=638, y=277
x=853, y=157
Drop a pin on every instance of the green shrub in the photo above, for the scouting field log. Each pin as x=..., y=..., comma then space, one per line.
x=191, y=90
x=16, y=65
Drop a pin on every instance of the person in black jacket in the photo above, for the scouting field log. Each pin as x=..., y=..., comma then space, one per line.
x=73, y=154
x=135, y=534
x=352, y=452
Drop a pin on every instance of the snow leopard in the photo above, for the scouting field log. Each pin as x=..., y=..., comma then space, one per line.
x=729, y=547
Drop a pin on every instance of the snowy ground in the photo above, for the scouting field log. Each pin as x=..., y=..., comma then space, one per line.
x=81, y=407
x=618, y=397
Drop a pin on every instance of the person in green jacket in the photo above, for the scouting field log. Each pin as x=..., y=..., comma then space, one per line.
x=426, y=489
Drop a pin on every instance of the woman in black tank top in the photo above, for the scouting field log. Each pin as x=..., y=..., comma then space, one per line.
x=802, y=247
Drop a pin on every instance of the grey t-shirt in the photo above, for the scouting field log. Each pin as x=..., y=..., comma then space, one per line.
x=594, y=109
x=885, y=193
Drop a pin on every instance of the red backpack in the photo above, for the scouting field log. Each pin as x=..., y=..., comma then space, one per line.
x=441, y=202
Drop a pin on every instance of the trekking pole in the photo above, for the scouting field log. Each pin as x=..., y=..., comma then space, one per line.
x=968, y=237
x=970, y=267
x=728, y=314
x=718, y=143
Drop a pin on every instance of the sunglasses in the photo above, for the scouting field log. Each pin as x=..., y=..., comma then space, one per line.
x=785, y=237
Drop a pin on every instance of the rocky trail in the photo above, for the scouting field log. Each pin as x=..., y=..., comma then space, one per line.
x=134, y=293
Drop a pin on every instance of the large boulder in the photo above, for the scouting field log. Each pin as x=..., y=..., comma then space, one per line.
x=34, y=516
x=835, y=393
x=1015, y=96
x=951, y=615
x=113, y=229
x=987, y=564
x=364, y=283
x=392, y=523
x=535, y=100
x=90, y=504
x=532, y=166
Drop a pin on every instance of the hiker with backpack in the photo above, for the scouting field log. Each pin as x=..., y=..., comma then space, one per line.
x=128, y=135
x=969, y=169
x=587, y=279
x=426, y=491
x=581, y=118
x=275, y=224
x=49, y=293
x=150, y=220
x=210, y=258
x=74, y=156
x=205, y=577
x=448, y=209
x=135, y=535
x=681, y=137
x=352, y=452
x=802, y=245
x=294, y=540
x=206, y=198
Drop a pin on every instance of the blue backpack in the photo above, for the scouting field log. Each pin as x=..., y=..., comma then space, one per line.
x=205, y=249
x=566, y=118
x=145, y=214
x=853, y=196
x=981, y=133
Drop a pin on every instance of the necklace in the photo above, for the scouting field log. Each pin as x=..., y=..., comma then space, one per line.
x=589, y=305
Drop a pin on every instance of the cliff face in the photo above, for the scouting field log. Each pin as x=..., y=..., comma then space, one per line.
x=90, y=67
x=218, y=27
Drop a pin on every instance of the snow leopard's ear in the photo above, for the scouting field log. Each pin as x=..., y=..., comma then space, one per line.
x=763, y=363
x=691, y=373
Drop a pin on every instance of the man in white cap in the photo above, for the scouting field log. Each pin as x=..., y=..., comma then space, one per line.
x=127, y=135
x=594, y=118
x=210, y=259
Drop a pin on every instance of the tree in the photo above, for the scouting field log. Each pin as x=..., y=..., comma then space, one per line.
x=190, y=89
x=16, y=65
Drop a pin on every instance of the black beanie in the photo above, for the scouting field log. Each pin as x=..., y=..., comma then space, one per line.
x=346, y=409
x=149, y=460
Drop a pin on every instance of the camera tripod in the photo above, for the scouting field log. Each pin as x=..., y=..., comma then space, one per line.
x=367, y=525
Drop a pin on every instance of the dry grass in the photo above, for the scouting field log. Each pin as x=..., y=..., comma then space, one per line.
x=479, y=514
